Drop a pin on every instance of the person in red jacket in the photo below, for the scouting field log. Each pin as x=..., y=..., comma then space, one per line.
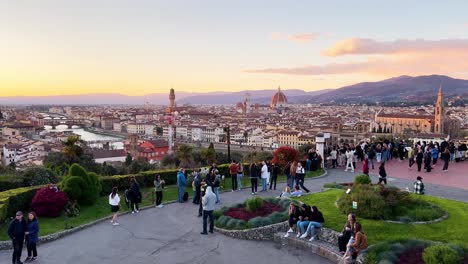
x=365, y=166
x=233, y=171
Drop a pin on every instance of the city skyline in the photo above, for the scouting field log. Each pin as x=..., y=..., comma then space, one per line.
x=62, y=48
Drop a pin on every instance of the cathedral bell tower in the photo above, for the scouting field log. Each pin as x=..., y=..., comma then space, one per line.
x=439, y=113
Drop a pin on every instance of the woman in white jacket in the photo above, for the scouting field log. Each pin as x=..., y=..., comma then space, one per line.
x=265, y=176
x=349, y=160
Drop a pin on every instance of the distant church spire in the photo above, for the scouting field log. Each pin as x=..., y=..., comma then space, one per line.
x=439, y=113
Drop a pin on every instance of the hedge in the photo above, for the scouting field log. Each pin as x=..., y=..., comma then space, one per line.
x=20, y=198
x=17, y=199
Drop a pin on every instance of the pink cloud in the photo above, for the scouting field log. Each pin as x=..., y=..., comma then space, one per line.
x=370, y=46
x=410, y=65
x=305, y=37
x=276, y=35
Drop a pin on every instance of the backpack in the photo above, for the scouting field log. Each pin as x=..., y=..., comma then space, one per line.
x=185, y=198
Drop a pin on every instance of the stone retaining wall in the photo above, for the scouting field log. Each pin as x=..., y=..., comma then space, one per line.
x=259, y=233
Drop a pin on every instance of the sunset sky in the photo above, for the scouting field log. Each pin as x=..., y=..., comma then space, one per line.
x=138, y=47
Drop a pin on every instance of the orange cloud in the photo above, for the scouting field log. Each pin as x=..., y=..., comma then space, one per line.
x=361, y=46
x=384, y=66
x=301, y=38
x=276, y=35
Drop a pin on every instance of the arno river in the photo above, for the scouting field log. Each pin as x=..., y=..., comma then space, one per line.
x=88, y=136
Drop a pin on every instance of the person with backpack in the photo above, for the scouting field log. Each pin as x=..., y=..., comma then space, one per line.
x=134, y=195
x=300, y=176
x=382, y=174
x=114, y=202
x=181, y=182
x=253, y=177
x=371, y=155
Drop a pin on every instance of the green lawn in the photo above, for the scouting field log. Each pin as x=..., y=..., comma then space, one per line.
x=102, y=209
x=451, y=230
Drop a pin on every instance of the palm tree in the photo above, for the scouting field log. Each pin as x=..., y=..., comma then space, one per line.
x=184, y=154
x=73, y=148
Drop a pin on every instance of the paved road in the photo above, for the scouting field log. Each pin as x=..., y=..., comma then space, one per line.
x=171, y=235
x=164, y=235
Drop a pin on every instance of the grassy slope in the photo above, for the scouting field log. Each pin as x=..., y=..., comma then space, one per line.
x=102, y=208
x=452, y=230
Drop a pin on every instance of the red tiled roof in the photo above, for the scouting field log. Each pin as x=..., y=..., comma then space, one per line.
x=400, y=115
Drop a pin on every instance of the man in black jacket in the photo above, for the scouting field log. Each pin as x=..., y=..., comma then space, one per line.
x=16, y=232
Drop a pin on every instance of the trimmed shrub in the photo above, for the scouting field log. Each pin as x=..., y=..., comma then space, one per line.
x=73, y=186
x=14, y=200
x=260, y=221
x=49, y=202
x=39, y=176
x=81, y=186
x=253, y=204
x=437, y=254
x=370, y=203
x=362, y=179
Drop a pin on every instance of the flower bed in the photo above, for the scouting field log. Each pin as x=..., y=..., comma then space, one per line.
x=243, y=214
x=255, y=212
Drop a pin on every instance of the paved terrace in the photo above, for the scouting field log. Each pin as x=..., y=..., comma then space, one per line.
x=172, y=235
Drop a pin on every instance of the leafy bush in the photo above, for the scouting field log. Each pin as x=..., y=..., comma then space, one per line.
x=73, y=186
x=48, y=202
x=72, y=209
x=362, y=179
x=81, y=185
x=437, y=254
x=14, y=200
x=370, y=203
x=260, y=221
x=253, y=204
x=39, y=176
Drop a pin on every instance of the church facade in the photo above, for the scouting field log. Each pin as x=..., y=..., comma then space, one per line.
x=397, y=123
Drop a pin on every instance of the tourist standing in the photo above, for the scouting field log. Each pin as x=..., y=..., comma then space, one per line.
x=334, y=157
x=371, y=155
x=427, y=160
x=411, y=152
x=233, y=172
x=287, y=172
x=16, y=231
x=253, y=177
x=208, y=202
x=419, y=159
x=134, y=195
x=292, y=172
x=240, y=174
x=265, y=175
x=435, y=155
x=382, y=174
x=216, y=183
x=365, y=166
x=202, y=193
x=32, y=237
x=196, y=187
x=418, y=186
x=445, y=156
x=158, y=188
x=300, y=176
x=114, y=202
x=181, y=182
x=349, y=160
x=274, y=175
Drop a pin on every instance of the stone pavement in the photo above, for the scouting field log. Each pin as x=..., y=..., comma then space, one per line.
x=172, y=235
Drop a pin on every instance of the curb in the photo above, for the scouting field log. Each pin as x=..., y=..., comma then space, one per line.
x=4, y=245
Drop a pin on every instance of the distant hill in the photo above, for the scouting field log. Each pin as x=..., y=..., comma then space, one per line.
x=398, y=89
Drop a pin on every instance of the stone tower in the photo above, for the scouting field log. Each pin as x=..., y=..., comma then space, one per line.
x=439, y=113
x=172, y=98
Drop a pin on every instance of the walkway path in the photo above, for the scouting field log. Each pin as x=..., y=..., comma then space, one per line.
x=172, y=235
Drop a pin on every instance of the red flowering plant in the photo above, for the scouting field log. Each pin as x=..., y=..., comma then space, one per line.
x=284, y=154
x=49, y=202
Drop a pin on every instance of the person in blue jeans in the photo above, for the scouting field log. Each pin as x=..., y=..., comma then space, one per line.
x=304, y=219
x=316, y=221
x=240, y=174
x=181, y=182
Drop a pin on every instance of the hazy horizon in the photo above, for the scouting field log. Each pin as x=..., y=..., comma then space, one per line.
x=55, y=48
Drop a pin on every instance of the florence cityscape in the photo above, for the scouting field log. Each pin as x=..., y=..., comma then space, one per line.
x=233, y=132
